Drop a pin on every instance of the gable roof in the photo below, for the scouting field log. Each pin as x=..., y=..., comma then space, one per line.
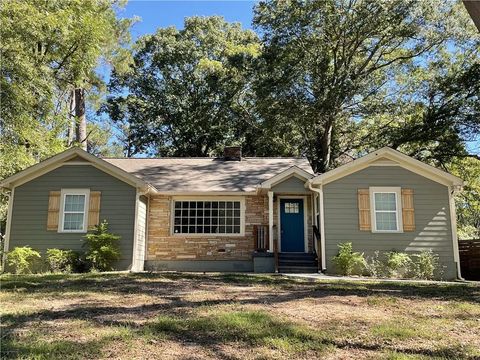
x=284, y=175
x=388, y=157
x=191, y=175
x=73, y=155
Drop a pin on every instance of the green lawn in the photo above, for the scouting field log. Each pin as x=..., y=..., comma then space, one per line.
x=231, y=316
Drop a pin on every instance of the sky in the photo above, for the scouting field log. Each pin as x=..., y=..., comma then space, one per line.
x=153, y=14
x=157, y=13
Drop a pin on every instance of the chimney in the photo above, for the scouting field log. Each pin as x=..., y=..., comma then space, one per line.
x=232, y=153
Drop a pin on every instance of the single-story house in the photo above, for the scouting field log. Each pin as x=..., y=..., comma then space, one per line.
x=235, y=213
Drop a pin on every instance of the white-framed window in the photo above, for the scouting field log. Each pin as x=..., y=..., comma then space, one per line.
x=73, y=210
x=208, y=216
x=386, y=209
x=292, y=208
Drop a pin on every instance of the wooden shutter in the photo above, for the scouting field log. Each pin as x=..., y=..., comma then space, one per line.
x=408, y=212
x=94, y=209
x=364, y=210
x=53, y=210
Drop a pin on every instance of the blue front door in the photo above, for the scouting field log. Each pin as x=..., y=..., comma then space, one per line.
x=292, y=231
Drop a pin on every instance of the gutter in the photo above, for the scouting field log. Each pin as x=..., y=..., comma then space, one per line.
x=322, y=222
x=6, y=242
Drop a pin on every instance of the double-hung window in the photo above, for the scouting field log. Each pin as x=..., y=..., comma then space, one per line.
x=224, y=217
x=73, y=207
x=386, y=209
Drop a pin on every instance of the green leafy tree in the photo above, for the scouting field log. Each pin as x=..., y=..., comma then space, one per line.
x=327, y=65
x=50, y=51
x=188, y=92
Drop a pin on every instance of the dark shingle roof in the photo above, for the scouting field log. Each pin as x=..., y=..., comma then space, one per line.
x=207, y=174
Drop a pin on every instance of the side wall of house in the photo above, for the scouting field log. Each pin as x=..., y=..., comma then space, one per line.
x=432, y=216
x=30, y=209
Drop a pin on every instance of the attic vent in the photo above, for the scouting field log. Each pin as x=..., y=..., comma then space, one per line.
x=232, y=153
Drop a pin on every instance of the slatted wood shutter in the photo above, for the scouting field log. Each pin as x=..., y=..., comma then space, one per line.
x=364, y=218
x=94, y=209
x=408, y=212
x=53, y=210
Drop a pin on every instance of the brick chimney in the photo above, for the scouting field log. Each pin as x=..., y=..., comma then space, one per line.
x=232, y=153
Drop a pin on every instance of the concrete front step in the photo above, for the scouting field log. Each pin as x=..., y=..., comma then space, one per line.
x=297, y=269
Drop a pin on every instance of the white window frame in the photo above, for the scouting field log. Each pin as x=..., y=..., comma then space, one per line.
x=63, y=195
x=207, y=198
x=398, y=199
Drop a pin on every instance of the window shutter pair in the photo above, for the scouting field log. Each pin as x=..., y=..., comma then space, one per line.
x=53, y=217
x=364, y=208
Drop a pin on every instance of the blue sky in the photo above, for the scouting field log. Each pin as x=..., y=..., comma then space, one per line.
x=156, y=13
x=161, y=13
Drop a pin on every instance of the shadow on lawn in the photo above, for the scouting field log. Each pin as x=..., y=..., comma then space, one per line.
x=173, y=314
x=249, y=329
x=169, y=284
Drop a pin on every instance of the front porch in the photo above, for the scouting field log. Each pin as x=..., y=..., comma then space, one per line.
x=290, y=242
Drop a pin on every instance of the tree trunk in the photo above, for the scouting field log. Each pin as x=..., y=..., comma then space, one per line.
x=81, y=121
x=325, y=148
x=71, y=119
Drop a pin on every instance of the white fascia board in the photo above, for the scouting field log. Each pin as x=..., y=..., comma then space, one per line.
x=403, y=160
x=292, y=171
x=206, y=193
x=59, y=160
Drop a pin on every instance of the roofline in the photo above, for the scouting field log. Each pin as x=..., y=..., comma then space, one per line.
x=207, y=158
x=291, y=171
x=206, y=193
x=405, y=161
x=58, y=160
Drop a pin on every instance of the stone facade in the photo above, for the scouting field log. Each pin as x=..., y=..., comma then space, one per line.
x=164, y=246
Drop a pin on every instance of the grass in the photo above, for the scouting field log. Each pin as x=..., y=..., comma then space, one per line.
x=234, y=316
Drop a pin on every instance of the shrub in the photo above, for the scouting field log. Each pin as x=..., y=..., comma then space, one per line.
x=102, y=248
x=375, y=266
x=23, y=260
x=425, y=265
x=347, y=261
x=398, y=264
x=59, y=260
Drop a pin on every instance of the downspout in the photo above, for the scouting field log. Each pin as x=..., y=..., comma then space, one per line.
x=322, y=226
x=453, y=221
x=8, y=224
x=135, y=227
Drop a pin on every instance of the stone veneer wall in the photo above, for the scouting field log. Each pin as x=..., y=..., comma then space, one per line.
x=163, y=246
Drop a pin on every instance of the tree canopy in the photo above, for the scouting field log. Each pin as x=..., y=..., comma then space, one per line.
x=188, y=92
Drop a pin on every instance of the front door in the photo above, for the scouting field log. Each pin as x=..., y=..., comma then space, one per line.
x=292, y=230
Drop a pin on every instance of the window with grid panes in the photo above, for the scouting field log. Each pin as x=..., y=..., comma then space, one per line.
x=207, y=217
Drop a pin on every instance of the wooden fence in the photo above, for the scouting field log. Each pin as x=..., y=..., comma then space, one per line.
x=470, y=258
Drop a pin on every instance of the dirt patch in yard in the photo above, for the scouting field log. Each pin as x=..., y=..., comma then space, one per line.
x=234, y=316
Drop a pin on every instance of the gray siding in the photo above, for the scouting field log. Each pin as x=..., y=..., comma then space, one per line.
x=30, y=208
x=291, y=185
x=432, y=216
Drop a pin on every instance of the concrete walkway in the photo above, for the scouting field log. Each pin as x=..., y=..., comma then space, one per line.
x=359, y=278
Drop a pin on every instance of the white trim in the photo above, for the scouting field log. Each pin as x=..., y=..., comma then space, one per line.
x=403, y=160
x=205, y=193
x=284, y=175
x=240, y=199
x=61, y=159
x=147, y=225
x=8, y=225
x=322, y=228
x=398, y=211
x=135, y=231
x=76, y=163
x=61, y=213
x=453, y=221
x=305, y=220
x=270, y=220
